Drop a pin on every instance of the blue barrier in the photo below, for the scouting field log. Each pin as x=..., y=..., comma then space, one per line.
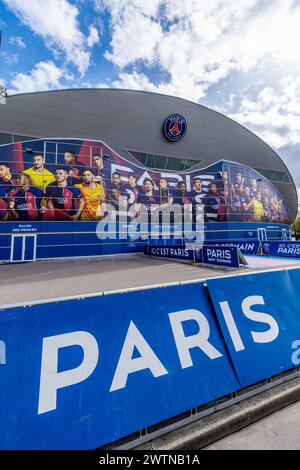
x=289, y=249
x=220, y=256
x=78, y=374
x=259, y=326
x=178, y=252
x=82, y=373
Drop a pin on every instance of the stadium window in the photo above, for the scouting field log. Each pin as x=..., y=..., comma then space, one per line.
x=190, y=163
x=162, y=162
x=286, y=178
x=5, y=138
x=275, y=176
x=278, y=176
x=175, y=164
x=156, y=161
x=22, y=138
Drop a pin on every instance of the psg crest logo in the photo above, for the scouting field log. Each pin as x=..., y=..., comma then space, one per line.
x=174, y=127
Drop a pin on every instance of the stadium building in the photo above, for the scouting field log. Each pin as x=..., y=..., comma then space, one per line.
x=68, y=156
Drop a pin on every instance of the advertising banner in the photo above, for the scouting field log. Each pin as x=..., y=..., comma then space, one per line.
x=290, y=249
x=78, y=374
x=221, y=256
x=171, y=252
x=259, y=327
x=246, y=247
x=84, y=180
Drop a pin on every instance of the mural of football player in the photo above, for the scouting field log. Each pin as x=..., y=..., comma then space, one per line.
x=213, y=204
x=100, y=175
x=233, y=203
x=132, y=189
x=25, y=201
x=39, y=176
x=247, y=205
x=73, y=168
x=6, y=180
x=165, y=193
x=64, y=202
x=117, y=195
x=93, y=195
x=196, y=198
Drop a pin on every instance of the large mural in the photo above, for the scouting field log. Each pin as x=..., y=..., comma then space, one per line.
x=82, y=180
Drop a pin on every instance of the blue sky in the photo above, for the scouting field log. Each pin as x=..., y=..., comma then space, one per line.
x=239, y=58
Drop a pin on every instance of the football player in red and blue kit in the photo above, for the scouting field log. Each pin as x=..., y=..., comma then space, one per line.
x=148, y=198
x=25, y=200
x=132, y=189
x=73, y=168
x=3, y=204
x=64, y=202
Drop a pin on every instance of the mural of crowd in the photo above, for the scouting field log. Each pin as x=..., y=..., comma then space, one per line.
x=73, y=190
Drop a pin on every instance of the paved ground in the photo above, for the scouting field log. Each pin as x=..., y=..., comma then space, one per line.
x=42, y=280
x=280, y=430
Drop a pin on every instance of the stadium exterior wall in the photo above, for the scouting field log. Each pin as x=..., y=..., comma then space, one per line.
x=132, y=120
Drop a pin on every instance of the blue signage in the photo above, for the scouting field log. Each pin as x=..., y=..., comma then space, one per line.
x=78, y=374
x=246, y=247
x=221, y=256
x=259, y=327
x=174, y=127
x=288, y=249
x=179, y=252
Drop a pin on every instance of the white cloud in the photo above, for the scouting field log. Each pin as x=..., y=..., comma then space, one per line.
x=274, y=114
x=200, y=43
x=17, y=41
x=44, y=76
x=56, y=22
x=135, y=35
x=93, y=37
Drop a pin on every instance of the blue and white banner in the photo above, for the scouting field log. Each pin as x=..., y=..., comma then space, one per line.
x=220, y=256
x=246, y=247
x=179, y=252
x=78, y=374
x=259, y=317
x=290, y=249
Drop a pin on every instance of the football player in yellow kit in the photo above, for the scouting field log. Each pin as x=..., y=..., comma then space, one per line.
x=94, y=196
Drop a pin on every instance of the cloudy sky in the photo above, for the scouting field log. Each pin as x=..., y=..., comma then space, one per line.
x=241, y=58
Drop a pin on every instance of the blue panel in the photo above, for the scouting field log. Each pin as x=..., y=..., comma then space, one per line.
x=170, y=252
x=221, y=256
x=4, y=254
x=17, y=248
x=247, y=247
x=255, y=360
x=29, y=248
x=88, y=414
x=290, y=249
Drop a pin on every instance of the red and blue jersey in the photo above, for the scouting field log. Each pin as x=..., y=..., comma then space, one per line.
x=63, y=198
x=3, y=203
x=148, y=200
x=27, y=203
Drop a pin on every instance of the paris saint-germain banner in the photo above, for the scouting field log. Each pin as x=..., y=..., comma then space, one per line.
x=289, y=249
x=221, y=256
x=179, y=252
x=246, y=247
